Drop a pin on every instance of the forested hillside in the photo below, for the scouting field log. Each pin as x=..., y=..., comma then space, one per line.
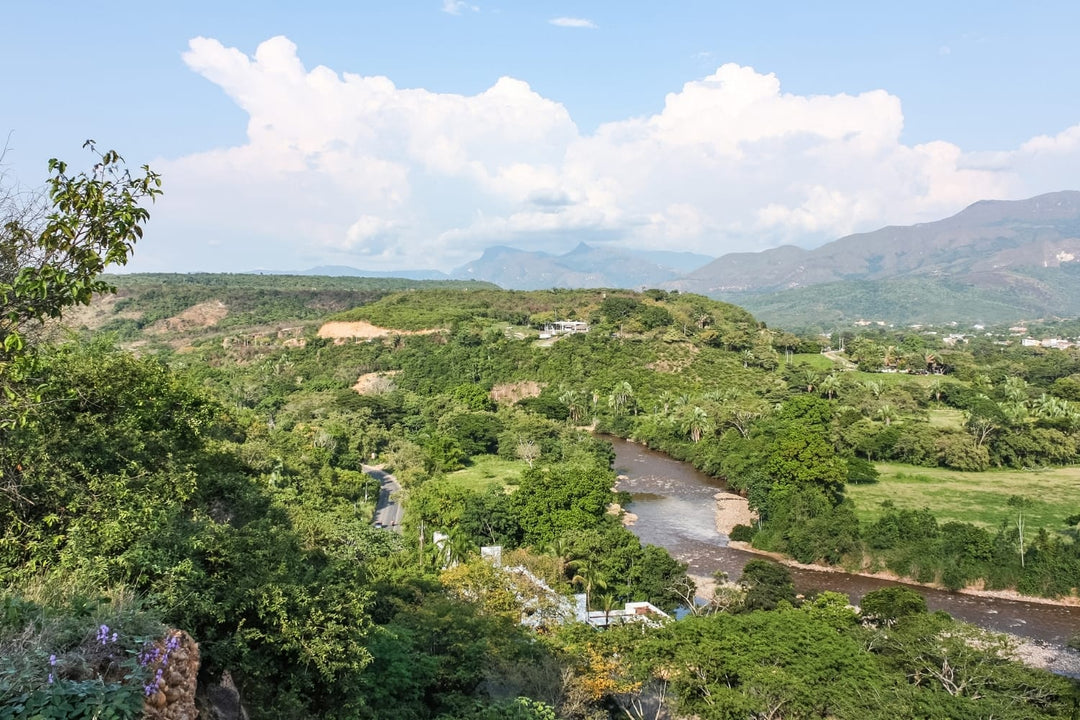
x=173, y=474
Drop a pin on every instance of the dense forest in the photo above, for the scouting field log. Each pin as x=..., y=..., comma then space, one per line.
x=208, y=476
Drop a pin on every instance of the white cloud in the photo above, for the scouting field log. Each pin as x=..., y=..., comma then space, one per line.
x=573, y=22
x=345, y=168
x=454, y=7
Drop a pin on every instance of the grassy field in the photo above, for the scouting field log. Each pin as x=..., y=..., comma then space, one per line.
x=899, y=378
x=946, y=417
x=488, y=470
x=978, y=498
x=814, y=360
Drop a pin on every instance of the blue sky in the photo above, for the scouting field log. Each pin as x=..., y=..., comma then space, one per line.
x=703, y=126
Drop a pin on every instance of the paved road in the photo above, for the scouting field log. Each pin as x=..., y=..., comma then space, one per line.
x=387, y=510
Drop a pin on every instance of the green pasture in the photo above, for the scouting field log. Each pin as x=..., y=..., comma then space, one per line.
x=486, y=471
x=899, y=378
x=946, y=417
x=980, y=498
x=814, y=360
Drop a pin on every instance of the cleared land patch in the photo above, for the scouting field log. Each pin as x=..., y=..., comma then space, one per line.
x=946, y=417
x=375, y=383
x=341, y=330
x=487, y=471
x=510, y=393
x=980, y=498
x=814, y=360
x=899, y=378
x=203, y=315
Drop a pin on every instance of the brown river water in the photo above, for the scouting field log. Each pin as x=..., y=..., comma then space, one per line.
x=675, y=508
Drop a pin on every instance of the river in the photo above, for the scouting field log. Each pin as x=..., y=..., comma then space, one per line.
x=675, y=508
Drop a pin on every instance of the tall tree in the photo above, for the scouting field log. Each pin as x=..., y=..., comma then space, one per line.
x=53, y=251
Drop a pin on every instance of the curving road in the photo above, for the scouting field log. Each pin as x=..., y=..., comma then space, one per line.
x=387, y=509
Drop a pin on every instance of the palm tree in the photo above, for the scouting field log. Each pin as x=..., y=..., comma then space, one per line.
x=458, y=547
x=890, y=356
x=576, y=402
x=741, y=419
x=809, y=378
x=933, y=363
x=887, y=413
x=696, y=423
x=621, y=397
x=1015, y=389
x=607, y=604
x=830, y=384
x=936, y=389
x=663, y=403
x=587, y=575
x=559, y=549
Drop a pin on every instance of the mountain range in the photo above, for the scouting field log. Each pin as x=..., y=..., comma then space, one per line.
x=995, y=261
x=583, y=267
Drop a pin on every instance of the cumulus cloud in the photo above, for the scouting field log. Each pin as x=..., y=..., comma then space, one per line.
x=573, y=22
x=455, y=7
x=342, y=167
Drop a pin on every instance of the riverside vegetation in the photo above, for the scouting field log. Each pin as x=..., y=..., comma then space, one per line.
x=211, y=480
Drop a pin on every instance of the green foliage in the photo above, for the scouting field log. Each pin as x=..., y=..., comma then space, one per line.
x=554, y=501
x=67, y=655
x=743, y=533
x=52, y=260
x=893, y=603
x=228, y=491
x=767, y=585
x=817, y=661
x=94, y=222
x=908, y=300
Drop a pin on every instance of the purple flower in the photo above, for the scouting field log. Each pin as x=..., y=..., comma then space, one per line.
x=114, y=637
x=52, y=661
x=103, y=634
x=51, y=679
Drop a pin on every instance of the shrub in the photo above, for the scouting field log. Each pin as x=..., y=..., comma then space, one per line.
x=893, y=603
x=742, y=533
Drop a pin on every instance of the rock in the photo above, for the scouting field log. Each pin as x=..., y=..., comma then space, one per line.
x=175, y=697
x=221, y=700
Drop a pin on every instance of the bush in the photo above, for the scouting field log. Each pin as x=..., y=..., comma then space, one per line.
x=742, y=533
x=767, y=584
x=893, y=603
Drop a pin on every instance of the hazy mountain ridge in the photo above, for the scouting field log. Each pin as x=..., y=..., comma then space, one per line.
x=988, y=237
x=584, y=266
x=994, y=261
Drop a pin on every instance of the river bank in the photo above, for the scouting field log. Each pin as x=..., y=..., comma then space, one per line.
x=677, y=507
x=732, y=509
x=1055, y=658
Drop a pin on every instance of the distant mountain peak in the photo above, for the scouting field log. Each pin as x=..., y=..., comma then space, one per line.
x=584, y=266
x=1006, y=253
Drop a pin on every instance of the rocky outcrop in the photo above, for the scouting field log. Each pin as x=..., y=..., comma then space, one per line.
x=170, y=694
x=221, y=700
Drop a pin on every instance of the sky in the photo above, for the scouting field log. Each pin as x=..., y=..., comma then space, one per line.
x=416, y=133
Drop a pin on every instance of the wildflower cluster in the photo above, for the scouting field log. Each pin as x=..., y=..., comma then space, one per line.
x=104, y=636
x=156, y=657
